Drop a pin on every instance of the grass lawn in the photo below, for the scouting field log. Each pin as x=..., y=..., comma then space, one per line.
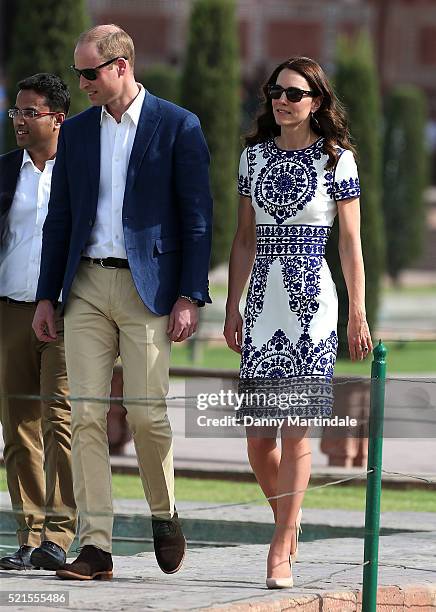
x=222, y=492
x=344, y=497
x=411, y=290
x=407, y=357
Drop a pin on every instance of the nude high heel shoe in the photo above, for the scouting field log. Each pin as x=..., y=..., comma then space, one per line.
x=287, y=583
x=298, y=530
x=281, y=583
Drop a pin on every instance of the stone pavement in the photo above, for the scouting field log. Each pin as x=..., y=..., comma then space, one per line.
x=328, y=575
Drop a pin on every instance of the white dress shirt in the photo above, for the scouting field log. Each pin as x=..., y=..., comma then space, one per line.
x=116, y=142
x=19, y=265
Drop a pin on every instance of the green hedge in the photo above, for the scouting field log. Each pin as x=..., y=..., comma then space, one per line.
x=162, y=80
x=211, y=89
x=43, y=40
x=357, y=87
x=404, y=176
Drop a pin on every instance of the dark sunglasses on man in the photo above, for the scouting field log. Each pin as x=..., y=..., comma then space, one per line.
x=91, y=74
x=293, y=94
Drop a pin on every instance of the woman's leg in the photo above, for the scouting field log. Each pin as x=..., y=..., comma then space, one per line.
x=264, y=457
x=293, y=475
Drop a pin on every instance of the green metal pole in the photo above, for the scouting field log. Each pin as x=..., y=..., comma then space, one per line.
x=373, y=483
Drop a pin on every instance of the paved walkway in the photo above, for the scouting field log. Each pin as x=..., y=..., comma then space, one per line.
x=222, y=578
x=233, y=577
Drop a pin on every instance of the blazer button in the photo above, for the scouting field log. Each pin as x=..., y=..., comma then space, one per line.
x=91, y=223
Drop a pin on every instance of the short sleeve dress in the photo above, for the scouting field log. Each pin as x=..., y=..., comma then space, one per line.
x=290, y=317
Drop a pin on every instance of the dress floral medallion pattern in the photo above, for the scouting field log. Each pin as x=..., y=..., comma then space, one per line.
x=297, y=194
x=280, y=358
x=288, y=182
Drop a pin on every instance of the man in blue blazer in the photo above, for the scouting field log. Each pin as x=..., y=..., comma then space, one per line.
x=127, y=239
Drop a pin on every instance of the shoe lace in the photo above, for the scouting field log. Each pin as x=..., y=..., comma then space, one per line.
x=89, y=550
x=163, y=528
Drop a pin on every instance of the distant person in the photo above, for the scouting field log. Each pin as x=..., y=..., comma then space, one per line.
x=296, y=173
x=37, y=434
x=127, y=239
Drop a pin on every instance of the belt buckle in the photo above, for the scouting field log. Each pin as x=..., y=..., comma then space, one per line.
x=100, y=261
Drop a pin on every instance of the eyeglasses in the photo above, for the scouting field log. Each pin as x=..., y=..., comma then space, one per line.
x=293, y=94
x=91, y=74
x=28, y=113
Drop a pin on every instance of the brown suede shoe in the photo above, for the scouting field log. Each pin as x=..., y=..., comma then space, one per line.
x=169, y=543
x=91, y=564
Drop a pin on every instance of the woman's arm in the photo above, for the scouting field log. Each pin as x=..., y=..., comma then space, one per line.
x=240, y=265
x=350, y=252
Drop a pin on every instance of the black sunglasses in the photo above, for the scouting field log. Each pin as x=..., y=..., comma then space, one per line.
x=91, y=74
x=293, y=94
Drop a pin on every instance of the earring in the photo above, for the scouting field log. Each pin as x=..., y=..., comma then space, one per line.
x=314, y=119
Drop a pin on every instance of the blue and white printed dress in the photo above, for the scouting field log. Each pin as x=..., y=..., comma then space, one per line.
x=290, y=318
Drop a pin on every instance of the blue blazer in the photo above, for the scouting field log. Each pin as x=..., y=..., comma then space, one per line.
x=10, y=166
x=167, y=207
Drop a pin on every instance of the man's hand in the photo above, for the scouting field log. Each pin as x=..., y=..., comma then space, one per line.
x=183, y=320
x=44, y=322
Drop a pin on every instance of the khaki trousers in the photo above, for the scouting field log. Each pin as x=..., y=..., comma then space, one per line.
x=37, y=434
x=106, y=317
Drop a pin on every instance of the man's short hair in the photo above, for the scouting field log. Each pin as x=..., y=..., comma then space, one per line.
x=111, y=41
x=52, y=87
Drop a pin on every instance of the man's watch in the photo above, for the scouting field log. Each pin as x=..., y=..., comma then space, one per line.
x=190, y=299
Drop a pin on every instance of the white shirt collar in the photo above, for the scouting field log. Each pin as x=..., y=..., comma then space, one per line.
x=27, y=159
x=134, y=110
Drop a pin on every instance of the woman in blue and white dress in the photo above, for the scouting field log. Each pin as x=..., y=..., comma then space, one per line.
x=297, y=172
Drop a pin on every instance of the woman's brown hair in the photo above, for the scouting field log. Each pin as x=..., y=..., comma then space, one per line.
x=329, y=121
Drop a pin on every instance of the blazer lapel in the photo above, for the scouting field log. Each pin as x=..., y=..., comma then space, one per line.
x=10, y=167
x=149, y=120
x=92, y=140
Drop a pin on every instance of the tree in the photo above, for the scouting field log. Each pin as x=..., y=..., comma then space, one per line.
x=163, y=81
x=357, y=87
x=210, y=88
x=43, y=40
x=404, y=176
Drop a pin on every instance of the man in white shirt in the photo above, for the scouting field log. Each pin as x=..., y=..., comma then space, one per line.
x=37, y=434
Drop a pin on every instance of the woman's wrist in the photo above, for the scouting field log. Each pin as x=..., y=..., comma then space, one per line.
x=357, y=313
x=232, y=306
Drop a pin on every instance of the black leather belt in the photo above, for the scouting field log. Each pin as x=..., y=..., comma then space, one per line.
x=109, y=262
x=9, y=300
